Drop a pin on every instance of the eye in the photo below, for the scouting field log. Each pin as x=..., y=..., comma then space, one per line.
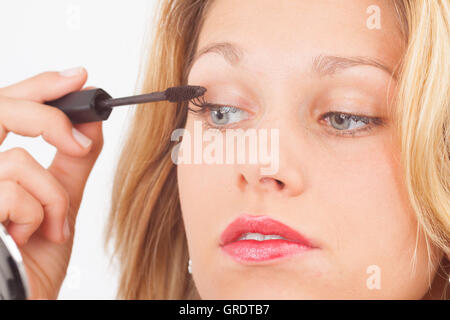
x=350, y=124
x=219, y=115
x=226, y=115
x=341, y=121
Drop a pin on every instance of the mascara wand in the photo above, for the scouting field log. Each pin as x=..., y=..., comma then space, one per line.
x=96, y=104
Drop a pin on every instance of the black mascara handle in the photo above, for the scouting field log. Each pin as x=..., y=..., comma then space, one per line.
x=83, y=106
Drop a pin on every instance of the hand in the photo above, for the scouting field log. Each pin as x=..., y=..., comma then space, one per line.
x=38, y=206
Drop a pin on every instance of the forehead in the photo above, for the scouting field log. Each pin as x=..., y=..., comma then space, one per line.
x=283, y=34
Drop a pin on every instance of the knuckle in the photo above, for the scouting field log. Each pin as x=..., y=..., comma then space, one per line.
x=18, y=155
x=10, y=194
x=12, y=199
x=39, y=215
x=35, y=214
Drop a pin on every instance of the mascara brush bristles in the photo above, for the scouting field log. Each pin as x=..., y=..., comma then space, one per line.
x=184, y=93
x=198, y=101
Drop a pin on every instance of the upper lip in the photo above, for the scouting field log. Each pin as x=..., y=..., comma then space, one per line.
x=260, y=224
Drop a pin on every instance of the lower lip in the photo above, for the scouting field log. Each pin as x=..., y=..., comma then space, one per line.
x=254, y=250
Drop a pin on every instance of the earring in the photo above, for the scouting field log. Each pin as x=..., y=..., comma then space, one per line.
x=190, y=266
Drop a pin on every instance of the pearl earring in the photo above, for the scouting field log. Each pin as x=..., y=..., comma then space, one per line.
x=190, y=266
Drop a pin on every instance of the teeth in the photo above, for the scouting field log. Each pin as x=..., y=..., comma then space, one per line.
x=260, y=237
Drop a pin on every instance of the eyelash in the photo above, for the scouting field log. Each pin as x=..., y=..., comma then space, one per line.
x=371, y=122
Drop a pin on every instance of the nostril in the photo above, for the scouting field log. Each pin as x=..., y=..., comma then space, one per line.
x=242, y=182
x=277, y=183
x=280, y=184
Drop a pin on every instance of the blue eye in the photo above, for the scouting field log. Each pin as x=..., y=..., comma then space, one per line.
x=221, y=115
x=226, y=115
x=350, y=124
x=342, y=121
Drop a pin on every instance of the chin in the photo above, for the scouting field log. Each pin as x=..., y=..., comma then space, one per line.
x=248, y=291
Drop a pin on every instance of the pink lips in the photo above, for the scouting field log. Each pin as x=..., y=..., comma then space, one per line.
x=254, y=250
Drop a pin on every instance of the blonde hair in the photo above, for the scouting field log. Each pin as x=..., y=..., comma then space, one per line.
x=145, y=216
x=423, y=121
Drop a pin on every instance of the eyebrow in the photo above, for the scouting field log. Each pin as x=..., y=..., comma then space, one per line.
x=321, y=64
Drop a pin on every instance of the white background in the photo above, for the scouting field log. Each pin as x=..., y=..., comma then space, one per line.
x=107, y=38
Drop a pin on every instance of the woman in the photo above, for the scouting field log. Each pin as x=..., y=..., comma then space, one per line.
x=358, y=93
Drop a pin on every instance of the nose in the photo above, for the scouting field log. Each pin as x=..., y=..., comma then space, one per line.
x=287, y=181
x=288, y=148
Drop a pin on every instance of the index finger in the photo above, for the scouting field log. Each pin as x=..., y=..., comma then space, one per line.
x=32, y=119
x=47, y=86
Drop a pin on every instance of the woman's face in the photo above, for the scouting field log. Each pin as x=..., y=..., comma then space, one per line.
x=336, y=181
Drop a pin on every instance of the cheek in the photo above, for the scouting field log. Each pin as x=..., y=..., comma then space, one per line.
x=205, y=195
x=366, y=197
x=368, y=217
x=204, y=205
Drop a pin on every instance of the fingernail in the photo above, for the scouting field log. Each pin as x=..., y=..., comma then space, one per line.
x=66, y=229
x=71, y=72
x=81, y=138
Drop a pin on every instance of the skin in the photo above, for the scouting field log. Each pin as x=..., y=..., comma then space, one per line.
x=35, y=201
x=364, y=221
x=343, y=192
